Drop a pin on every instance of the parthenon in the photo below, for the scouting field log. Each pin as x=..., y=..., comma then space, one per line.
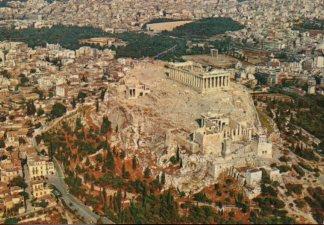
x=202, y=79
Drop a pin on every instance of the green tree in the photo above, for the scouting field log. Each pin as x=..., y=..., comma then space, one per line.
x=21, y=141
x=87, y=162
x=23, y=80
x=10, y=148
x=99, y=158
x=147, y=172
x=178, y=154
x=168, y=208
x=122, y=154
x=82, y=96
x=163, y=178
x=5, y=74
x=73, y=103
x=125, y=173
x=118, y=200
x=40, y=112
x=31, y=109
x=78, y=124
x=105, y=126
x=97, y=105
x=134, y=163
x=110, y=161
x=58, y=110
x=43, y=203
x=2, y=144
x=18, y=181
x=201, y=197
x=102, y=94
x=11, y=220
x=25, y=195
x=174, y=160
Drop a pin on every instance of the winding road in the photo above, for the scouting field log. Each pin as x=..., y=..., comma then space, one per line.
x=72, y=202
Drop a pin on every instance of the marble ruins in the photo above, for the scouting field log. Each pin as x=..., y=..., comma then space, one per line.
x=219, y=144
x=200, y=78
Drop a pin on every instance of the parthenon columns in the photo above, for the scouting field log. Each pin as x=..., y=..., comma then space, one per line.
x=200, y=82
x=209, y=82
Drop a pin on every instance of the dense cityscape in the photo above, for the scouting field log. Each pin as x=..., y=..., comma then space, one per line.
x=161, y=112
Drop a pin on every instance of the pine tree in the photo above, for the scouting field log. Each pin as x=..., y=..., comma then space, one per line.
x=163, y=178
x=31, y=109
x=104, y=195
x=144, y=194
x=78, y=124
x=134, y=163
x=110, y=201
x=102, y=94
x=97, y=105
x=119, y=200
x=73, y=103
x=105, y=126
x=122, y=154
x=110, y=161
x=106, y=209
x=178, y=154
x=147, y=172
x=124, y=171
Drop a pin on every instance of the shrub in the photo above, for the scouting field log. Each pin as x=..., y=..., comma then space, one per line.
x=284, y=158
x=295, y=188
x=284, y=168
x=173, y=160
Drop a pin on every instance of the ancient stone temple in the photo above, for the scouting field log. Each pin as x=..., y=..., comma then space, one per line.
x=133, y=88
x=200, y=78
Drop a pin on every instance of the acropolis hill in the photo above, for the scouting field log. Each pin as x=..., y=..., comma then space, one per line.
x=216, y=129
